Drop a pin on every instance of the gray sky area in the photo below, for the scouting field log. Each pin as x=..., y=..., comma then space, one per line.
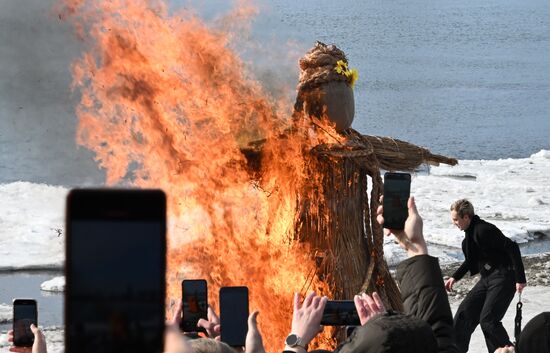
x=37, y=107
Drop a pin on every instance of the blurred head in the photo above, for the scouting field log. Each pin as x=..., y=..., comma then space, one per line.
x=462, y=212
x=208, y=345
x=535, y=336
x=391, y=333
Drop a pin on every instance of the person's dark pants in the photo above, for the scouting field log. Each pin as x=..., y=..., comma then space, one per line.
x=486, y=305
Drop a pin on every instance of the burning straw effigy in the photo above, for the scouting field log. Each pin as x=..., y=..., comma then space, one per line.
x=166, y=104
x=335, y=214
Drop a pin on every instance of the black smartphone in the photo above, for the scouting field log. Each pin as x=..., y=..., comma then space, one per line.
x=340, y=313
x=115, y=271
x=25, y=313
x=397, y=189
x=194, y=293
x=234, y=315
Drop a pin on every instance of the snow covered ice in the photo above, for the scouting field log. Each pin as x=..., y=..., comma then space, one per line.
x=56, y=284
x=514, y=194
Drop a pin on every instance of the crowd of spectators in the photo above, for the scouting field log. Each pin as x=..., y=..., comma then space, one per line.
x=426, y=325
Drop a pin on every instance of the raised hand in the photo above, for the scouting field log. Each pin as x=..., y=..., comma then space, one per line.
x=411, y=237
x=212, y=325
x=254, y=342
x=368, y=307
x=39, y=345
x=306, y=318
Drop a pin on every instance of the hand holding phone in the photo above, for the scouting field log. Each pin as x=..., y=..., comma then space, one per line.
x=340, y=313
x=411, y=238
x=25, y=314
x=234, y=315
x=195, y=304
x=397, y=187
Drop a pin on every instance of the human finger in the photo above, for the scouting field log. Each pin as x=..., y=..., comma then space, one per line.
x=308, y=299
x=380, y=219
x=322, y=304
x=212, y=316
x=252, y=321
x=315, y=302
x=20, y=349
x=296, y=301
x=176, y=316
x=411, y=205
x=378, y=301
x=369, y=303
x=38, y=335
x=358, y=301
x=360, y=307
x=208, y=326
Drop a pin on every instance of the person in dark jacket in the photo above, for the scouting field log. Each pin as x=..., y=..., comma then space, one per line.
x=426, y=325
x=488, y=252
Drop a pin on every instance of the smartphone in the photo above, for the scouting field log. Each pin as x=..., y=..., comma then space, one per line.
x=397, y=189
x=115, y=271
x=340, y=313
x=195, y=304
x=25, y=313
x=234, y=315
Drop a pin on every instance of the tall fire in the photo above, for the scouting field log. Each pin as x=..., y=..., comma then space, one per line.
x=256, y=197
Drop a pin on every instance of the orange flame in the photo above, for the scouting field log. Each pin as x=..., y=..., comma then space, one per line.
x=166, y=103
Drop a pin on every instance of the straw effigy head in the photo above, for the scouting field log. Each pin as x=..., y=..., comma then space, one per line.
x=325, y=87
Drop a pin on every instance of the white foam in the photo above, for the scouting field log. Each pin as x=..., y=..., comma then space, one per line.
x=56, y=284
x=6, y=313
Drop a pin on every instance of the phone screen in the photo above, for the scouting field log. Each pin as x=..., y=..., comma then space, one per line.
x=340, y=313
x=195, y=304
x=397, y=188
x=115, y=271
x=24, y=314
x=234, y=315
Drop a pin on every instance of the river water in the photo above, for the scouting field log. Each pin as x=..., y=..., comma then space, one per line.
x=468, y=79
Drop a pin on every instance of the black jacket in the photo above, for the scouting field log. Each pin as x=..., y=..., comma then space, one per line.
x=424, y=296
x=485, y=246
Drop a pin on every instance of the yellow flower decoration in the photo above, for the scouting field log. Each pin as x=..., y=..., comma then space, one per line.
x=342, y=69
x=354, y=77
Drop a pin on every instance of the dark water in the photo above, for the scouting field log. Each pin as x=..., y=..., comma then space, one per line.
x=465, y=78
x=27, y=285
